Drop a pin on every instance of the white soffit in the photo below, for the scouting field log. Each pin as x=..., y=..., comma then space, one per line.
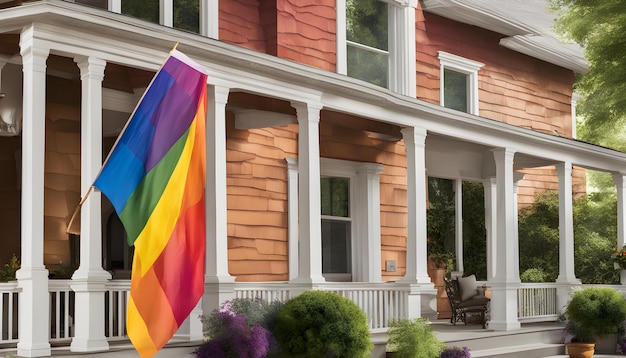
x=527, y=23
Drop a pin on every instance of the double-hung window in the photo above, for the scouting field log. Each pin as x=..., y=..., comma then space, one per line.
x=459, y=83
x=376, y=42
x=336, y=228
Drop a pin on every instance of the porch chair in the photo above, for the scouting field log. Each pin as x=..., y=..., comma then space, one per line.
x=466, y=297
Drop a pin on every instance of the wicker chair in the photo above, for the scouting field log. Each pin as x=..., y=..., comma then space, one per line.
x=477, y=303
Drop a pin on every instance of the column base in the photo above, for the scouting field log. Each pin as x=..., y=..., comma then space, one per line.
x=40, y=350
x=89, y=345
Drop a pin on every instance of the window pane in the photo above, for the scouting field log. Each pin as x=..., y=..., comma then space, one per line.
x=455, y=94
x=335, y=195
x=367, y=23
x=144, y=9
x=187, y=15
x=336, y=247
x=368, y=66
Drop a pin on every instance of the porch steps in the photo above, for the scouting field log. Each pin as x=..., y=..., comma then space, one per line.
x=532, y=341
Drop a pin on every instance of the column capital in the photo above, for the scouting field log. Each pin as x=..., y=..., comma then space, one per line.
x=414, y=135
x=91, y=67
x=309, y=111
x=219, y=94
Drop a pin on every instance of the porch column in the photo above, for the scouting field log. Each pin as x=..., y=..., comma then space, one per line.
x=566, y=225
x=620, y=184
x=310, y=220
x=491, y=220
x=416, y=253
x=218, y=283
x=458, y=226
x=517, y=177
x=32, y=277
x=292, y=182
x=89, y=281
x=505, y=282
x=368, y=181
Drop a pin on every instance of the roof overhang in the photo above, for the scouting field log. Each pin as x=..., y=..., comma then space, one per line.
x=528, y=30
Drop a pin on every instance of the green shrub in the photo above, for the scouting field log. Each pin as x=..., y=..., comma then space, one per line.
x=534, y=275
x=595, y=311
x=413, y=338
x=322, y=324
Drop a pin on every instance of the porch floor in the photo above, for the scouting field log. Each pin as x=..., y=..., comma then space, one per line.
x=452, y=335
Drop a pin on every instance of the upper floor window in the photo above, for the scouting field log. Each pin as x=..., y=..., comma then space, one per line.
x=180, y=14
x=367, y=41
x=459, y=83
x=376, y=42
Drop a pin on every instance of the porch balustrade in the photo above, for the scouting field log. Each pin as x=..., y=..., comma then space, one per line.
x=380, y=301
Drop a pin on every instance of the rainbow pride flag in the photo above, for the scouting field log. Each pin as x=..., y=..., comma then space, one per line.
x=155, y=179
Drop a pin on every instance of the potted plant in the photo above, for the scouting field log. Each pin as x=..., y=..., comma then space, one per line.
x=619, y=258
x=591, y=313
x=412, y=338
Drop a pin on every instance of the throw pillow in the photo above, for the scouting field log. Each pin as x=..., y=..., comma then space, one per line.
x=468, y=287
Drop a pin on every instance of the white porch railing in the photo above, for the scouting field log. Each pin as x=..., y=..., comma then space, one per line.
x=380, y=301
x=61, y=310
x=537, y=302
x=8, y=312
x=116, y=302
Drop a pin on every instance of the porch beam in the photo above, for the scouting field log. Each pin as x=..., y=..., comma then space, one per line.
x=32, y=277
x=309, y=193
x=89, y=281
x=506, y=281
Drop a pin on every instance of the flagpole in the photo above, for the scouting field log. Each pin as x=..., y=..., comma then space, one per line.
x=91, y=187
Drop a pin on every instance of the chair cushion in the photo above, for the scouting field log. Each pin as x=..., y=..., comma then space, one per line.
x=468, y=287
x=476, y=301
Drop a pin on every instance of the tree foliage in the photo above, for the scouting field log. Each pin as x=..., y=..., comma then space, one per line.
x=600, y=27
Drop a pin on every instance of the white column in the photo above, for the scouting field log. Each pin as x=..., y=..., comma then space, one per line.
x=416, y=253
x=310, y=220
x=32, y=277
x=115, y=6
x=491, y=226
x=402, y=48
x=420, y=301
x=620, y=184
x=209, y=18
x=292, y=214
x=458, y=226
x=89, y=281
x=505, y=283
x=517, y=177
x=368, y=232
x=566, y=225
x=218, y=282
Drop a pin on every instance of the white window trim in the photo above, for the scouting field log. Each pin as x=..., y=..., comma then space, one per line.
x=401, y=46
x=209, y=15
x=462, y=65
x=364, y=212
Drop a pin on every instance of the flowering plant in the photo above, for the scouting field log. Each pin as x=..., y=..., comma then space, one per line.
x=619, y=257
x=7, y=273
x=240, y=328
x=456, y=352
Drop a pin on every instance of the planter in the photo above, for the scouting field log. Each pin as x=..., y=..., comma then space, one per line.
x=607, y=344
x=580, y=350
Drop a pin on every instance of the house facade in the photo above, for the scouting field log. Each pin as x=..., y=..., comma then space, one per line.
x=324, y=123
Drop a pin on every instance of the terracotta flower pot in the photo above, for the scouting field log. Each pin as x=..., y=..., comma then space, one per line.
x=580, y=350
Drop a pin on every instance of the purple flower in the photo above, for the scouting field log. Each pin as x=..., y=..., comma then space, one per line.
x=456, y=352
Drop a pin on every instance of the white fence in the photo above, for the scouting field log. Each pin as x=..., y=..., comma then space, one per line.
x=61, y=310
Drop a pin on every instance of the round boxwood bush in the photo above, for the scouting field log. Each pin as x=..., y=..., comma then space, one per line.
x=322, y=324
x=595, y=311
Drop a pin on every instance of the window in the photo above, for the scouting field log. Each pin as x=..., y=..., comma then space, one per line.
x=367, y=41
x=350, y=220
x=376, y=42
x=459, y=83
x=180, y=14
x=336, y=228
